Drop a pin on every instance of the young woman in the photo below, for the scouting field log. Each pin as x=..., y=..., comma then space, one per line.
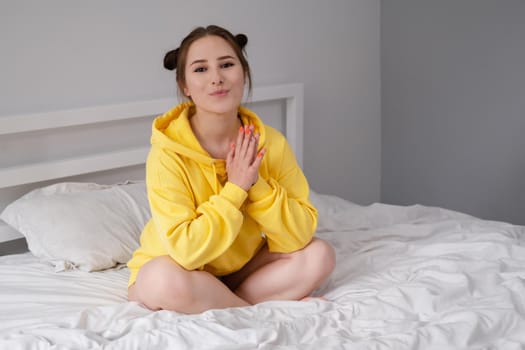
x=231, y=223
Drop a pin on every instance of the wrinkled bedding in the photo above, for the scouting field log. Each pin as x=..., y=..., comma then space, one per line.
x=406, y=278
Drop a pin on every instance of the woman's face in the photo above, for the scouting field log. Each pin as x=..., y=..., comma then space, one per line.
x=214, y=76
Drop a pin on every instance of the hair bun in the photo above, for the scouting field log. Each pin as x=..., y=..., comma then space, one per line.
x=241, y=40
x=170, y=59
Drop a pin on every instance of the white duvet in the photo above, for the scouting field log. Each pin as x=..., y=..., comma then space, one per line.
x=406, y=278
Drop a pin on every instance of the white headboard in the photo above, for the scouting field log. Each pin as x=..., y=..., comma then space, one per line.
x=50, y=160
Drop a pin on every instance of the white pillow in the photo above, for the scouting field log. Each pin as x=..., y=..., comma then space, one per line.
x=81, y=225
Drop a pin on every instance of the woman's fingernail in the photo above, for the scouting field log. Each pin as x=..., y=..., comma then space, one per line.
x=241, y=129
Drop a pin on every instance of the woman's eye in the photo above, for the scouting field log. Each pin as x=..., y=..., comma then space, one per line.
x=227, y=64
x=199, y=70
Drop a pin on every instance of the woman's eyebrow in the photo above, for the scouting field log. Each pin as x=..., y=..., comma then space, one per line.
x=218, y=59
x=198, y=61
x=225, y=57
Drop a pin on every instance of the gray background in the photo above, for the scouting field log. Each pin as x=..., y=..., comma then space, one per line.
x=61, y=54
x=453, y=105
x=405, y=101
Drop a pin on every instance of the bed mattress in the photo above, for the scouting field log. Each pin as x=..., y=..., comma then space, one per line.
x=406, y=278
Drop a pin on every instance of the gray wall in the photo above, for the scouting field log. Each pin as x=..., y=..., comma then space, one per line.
x=430, y=110
x=61, y=54
x=453, y=105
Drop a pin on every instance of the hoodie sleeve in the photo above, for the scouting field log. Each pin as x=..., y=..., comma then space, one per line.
x=280, y=202
x=192, y=236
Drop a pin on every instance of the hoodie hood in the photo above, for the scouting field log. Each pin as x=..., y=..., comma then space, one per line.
x=172, y=132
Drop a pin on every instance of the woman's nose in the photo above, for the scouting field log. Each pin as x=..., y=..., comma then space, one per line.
x=216, y=78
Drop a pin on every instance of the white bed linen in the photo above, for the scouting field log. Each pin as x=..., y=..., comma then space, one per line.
x=406, y=278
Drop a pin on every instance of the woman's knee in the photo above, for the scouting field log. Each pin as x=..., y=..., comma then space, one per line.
x=320, y=256
x=161, y=282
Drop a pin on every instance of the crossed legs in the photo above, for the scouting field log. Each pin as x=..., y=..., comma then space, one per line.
x=163, y=284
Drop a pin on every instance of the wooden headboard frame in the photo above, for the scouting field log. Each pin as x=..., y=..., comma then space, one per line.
x=45, y=170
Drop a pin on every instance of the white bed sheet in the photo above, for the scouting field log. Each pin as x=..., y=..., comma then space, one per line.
x=406, y=278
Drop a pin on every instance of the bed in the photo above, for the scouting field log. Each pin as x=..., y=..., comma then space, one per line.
x=407, y=277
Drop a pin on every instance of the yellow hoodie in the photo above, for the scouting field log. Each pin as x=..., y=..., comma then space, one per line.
x=203, y=221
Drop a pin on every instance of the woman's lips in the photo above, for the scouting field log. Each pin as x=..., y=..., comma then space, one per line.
x=219, y=93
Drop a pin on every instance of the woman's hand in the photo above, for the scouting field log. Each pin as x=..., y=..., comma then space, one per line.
x=243, y=161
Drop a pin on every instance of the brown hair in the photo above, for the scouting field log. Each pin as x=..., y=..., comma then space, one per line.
x=176, y=59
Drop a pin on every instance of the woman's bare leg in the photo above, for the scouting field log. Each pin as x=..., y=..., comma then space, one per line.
x=164, y=284
x=277, y=276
